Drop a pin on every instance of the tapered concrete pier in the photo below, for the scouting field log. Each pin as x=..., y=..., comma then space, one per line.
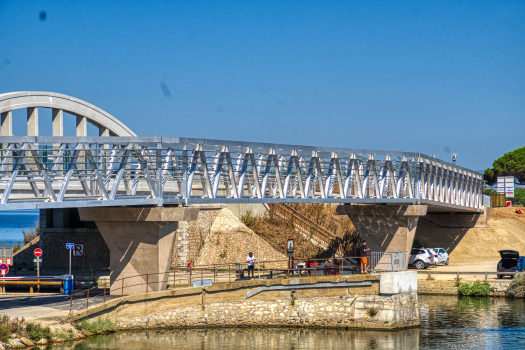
x=386, y=228
x=140, y=241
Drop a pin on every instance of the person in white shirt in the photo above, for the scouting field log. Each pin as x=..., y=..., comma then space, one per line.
x=251, y=263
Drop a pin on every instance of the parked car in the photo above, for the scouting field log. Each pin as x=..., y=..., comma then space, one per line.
x=511, y=261
x=419, y=258
x=442, y=255
x=433, y=256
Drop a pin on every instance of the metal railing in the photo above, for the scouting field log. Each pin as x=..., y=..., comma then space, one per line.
x=60, y=172
x=184, y=277
x=388, y=261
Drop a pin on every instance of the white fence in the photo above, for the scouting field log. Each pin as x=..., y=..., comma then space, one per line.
x=391, y=261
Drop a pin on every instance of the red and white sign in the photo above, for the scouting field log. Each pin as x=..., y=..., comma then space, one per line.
x=38, y=252
x=4, y=269
x=78, y=252
x=8, y=261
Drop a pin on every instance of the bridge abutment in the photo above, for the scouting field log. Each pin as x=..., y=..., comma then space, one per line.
x=140, y=241
x=386, y=228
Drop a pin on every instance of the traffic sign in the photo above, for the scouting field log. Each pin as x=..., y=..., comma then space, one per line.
x=70, y=245
x=78, y=251
x=38, y=252
x=289, y=247
x=4, y=269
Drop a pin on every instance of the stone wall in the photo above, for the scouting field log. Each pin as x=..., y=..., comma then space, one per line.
x=347, y=311
x=58, y=227
x=224, y=304
x=448, y=288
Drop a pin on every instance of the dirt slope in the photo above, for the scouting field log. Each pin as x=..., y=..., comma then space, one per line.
x=506, y=230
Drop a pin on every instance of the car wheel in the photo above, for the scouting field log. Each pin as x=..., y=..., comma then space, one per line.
x=419, y=265
x=446, y=262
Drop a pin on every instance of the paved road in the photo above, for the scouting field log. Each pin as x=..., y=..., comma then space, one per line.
x=43, y=305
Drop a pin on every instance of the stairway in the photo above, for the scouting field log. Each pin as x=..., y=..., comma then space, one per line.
x=317, y=234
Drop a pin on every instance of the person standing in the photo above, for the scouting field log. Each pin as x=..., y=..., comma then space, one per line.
x=251, y=264
x=363, y=255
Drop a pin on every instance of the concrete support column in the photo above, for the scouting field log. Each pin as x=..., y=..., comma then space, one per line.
x=385, y=227
x=81, y=126
x=182, y=244
x=6, y=126
x=103, y=131
x=58, y=122
x=32, y=121
x=141, y=243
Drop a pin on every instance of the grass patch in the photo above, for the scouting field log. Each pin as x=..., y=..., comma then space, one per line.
x=35, y=331
x=10, y=325
x=516, y=288
x=96, y=325
x=457, y=281
x=478, y=288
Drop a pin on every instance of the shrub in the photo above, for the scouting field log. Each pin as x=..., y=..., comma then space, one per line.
x=478, y=288
x=372, y=311
x=36, y=331
x=457, y=281
x=5, y=331
x=97, y=325
x=516, y=288
x=249, y=219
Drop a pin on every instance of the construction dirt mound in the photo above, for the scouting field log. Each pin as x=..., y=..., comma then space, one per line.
x=230, y=241
x=506, y=230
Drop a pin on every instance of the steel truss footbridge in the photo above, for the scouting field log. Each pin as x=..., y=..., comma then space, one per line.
x=119, y=168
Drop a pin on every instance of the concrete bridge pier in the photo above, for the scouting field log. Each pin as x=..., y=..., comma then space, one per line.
x=140, y=241
x=385, y=227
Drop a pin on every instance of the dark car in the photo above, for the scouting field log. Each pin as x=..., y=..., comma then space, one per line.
x=511, y=261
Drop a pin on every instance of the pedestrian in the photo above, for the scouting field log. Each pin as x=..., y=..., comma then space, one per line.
x=251, y=264
x=363, y=257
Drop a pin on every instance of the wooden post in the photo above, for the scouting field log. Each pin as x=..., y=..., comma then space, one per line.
x=147, y=280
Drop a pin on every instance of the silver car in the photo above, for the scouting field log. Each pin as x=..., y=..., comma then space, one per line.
x=442, y=256
x=419, y=258
x=433, y=256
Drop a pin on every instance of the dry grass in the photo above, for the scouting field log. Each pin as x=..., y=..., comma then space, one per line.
x=276, y=230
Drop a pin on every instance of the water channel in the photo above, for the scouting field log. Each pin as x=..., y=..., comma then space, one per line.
x=447, y=322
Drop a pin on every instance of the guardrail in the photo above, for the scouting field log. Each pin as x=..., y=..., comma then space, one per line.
x=30, y=281
x=468, y=273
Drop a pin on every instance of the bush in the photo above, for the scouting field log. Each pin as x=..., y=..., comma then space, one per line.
x=97, y=325
x=36, y=331
x=516, y=288
x=478, y=288
x=11, y=325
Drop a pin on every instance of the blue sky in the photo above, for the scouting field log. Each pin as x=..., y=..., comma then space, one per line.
x=425, y=76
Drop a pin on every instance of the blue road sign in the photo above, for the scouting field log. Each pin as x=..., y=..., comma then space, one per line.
x=70, y=245
x=4, y=269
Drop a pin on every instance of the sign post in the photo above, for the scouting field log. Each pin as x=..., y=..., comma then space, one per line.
x=70, y=247
x=38, y=254
x=289, y=252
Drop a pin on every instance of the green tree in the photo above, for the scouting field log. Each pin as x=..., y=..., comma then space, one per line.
x=511, y=164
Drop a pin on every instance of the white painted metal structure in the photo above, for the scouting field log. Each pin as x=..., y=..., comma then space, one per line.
x=108, y=171
x=57, y=172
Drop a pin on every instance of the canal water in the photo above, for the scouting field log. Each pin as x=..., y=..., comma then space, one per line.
x=447, y=322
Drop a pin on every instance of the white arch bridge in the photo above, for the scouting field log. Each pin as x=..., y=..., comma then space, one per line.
x=117, y=168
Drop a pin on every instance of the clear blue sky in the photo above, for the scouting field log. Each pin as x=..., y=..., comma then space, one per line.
x=425, y=76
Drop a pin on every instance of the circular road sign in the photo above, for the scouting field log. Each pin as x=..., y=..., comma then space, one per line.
x=38, y=252
x=4, y=269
